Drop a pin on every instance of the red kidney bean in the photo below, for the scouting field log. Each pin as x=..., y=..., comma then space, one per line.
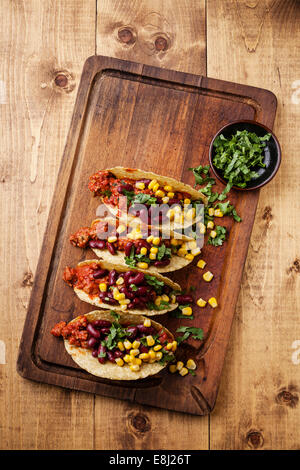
x=101, y=323
x=110, y=356
x=125, y=187
x=143, y=301
x=95, y=352
x=143, y=349
x=146, y=330
x=132, y=332
x=136, y=301
x=99, y=273
x=131, y=305
x=92, y=331
x=92, y=342
x=164, y=262
x=128, y=294
x=142, y=291
x=111, y=248
x=100, y=244
x=144, y=243
x=101, y=350
x=128, y=247
x=174, y=201
x=137, y=279
x=105, y=331
x=184, y=299
x=112, y=277
x=145, y=181
x=117, y=353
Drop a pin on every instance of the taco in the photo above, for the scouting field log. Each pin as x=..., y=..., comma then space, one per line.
x=127, y=347
x=109, y=286
x=131, y=246
x=155, y=199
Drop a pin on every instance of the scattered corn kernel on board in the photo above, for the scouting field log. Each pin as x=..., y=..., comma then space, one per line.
x=157, y=120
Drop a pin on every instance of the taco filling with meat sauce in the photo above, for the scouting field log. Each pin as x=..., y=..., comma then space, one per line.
x=126, y=245
x=132, y=343
x=148, y=192
x=95, y=282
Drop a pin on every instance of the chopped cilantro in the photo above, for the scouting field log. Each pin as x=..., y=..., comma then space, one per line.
x=197, y=333
x=220, y=237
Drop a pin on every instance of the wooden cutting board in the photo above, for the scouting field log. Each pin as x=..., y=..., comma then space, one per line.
x=144, y=117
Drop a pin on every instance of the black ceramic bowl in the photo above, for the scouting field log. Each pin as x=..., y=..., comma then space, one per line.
x=272, y=157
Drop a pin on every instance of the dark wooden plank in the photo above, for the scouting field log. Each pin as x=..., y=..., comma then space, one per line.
x=157, y=120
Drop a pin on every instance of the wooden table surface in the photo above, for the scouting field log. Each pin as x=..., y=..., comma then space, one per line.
x=43, y=47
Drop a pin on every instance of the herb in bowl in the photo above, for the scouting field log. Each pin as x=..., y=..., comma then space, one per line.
x=239, y=157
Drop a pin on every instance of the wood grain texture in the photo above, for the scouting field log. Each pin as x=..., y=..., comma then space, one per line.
x=258, y=405
x=39, y=41
x=188, y=54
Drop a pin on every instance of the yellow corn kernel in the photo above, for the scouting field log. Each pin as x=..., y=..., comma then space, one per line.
x=159, y=193
x=112, y=239
x=201, y=302
x=183, y=371
x=127, y=344
x=121, y=346
x=201, y=263
x=208, y=276
x=170, y=194
x=187, y=201
x=191, y=364
x=121, y=228
x=169, y=346
x=140, y=185
x=156, y=241
x=136, y=344
x=189, y=256
x=143, y=251
x=155, y=187
x=165, y=298
x=123, y=307
x=165, y=199
x=150, y=340
x=152, y=354
x=218, y=213
x=119, y=361
x=182, y=252
x=173, y=299
x=134, y=367
x=211, y=211
x=179, y=365
x=213, y=234
x=151, y=184
x=174, y=346
x=172, y=368
x=153, y=249
x=124, y=301
x=210, y=224
x=119, y=296
x=120, y=281
x=152, y=256
x=127, y=358
x=134, y=352
x=144, y=356
x=170, y=214
x=174, y=242
x=190, y=215
x=190, y=245
x=158, y=355
x=157, y=347
x=147, y=322
x=142, y=265
x=137, y=361
x=157, y=301
x=168, y=188
x=150, y=238
x=202, y=228
x=103, y=287
x=213, y=302
x=187, y=311
x=196, y=251
x=151, y=361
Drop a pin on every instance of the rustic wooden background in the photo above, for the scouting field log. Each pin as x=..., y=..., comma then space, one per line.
x=43, y=46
